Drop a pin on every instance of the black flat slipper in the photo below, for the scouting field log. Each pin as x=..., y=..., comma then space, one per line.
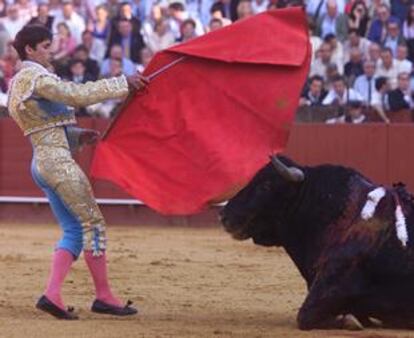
x=105, y=308
x=47, y=306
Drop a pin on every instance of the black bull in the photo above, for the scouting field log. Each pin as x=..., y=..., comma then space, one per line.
x=356, y=270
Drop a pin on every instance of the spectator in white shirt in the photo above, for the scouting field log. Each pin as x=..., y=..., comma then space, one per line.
x=388, y=67
x=374, y=52
x=405, y=65
x=27, y=9
x=380, y=98
x=74, y=21
x=312, y=7
x=259, y=6
x=322, y=60
x=161, y=37
x=355, y=40
x=340, y=95
x=13, y=22
x=365, y=84
x=337, y=51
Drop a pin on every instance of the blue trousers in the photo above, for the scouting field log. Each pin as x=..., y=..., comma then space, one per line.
x=71, y=226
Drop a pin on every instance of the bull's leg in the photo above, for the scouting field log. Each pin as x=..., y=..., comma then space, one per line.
x=329, y=297
x=391, y=303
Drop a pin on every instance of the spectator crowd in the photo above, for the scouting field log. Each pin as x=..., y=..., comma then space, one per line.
x=102, y=38
x=363, y=54
x=362, y=50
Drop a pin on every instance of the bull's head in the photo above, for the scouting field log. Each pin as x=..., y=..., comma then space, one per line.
x=258, y=210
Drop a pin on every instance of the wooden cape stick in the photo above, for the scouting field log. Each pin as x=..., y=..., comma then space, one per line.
x=122, y=107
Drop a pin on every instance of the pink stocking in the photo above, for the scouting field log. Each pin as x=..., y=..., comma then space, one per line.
x=98, y=269
x=61, y=263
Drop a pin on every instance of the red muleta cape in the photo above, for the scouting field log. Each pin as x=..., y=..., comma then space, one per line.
x=215, y=109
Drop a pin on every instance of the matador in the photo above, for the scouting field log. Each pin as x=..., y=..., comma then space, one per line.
x=42, y=104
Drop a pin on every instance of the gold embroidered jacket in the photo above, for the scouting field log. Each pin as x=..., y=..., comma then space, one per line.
x=39, y=99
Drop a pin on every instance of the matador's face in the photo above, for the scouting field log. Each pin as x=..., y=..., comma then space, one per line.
x=42, y=53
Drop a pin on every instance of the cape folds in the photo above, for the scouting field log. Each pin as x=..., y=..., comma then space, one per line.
x=215, y=108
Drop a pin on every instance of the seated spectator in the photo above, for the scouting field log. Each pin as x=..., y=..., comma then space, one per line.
x=314, y=94
x=375, y=7
x=316, y=9
x=332, y=73
x=187, y=30
x=78, y=74
x=9, y=63
x=408, y=32
x=332, y=22
x=92, y=67
x=244, y=9
x=353, y=67
x=356, y=41
x=177, y=14
x=374, y=53
x=73, y=20
x=96, y=47
x=124, y=13
x=100, y=27
x=400, y=8
x=380, y=98
x=13, y=22
x=323, y=59
x=3, y=8
x=43, y=17
x=358, y=18
x=128, y=67
x=259, y=6
x=401, y=97
x=27, y=9
x=161, y=38
x=404, y=65
x=315, y=40
x=340, y=95
x=365, y=83
x=131, y=42
x=63, y=44
x=353, y=114
x=215, y=24
x=154, y=16
x=393, y=37
x=55, y=8
x=146, y=56
x=337, y=51
x=107, y=108
x=378, y=28
x=388, y=67
x=217, y=11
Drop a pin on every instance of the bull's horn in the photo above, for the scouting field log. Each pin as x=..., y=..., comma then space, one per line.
x=288, y=173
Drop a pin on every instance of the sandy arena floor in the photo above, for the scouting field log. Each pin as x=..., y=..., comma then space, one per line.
x=187, y=283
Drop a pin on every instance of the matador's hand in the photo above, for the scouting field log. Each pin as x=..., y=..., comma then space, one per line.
x=88, y=136
x=137, y=81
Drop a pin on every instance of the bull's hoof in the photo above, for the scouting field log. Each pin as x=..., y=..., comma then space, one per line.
x=349, y=322
x=375, y=322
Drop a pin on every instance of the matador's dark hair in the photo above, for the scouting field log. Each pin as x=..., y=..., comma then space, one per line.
x=30, y=35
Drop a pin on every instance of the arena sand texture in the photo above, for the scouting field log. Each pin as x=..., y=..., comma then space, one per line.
x=187, y=282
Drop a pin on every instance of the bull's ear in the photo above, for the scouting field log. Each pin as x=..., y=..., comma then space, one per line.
x=292, y=174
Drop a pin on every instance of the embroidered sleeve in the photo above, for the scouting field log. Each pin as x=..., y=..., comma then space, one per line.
x=80, y=95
